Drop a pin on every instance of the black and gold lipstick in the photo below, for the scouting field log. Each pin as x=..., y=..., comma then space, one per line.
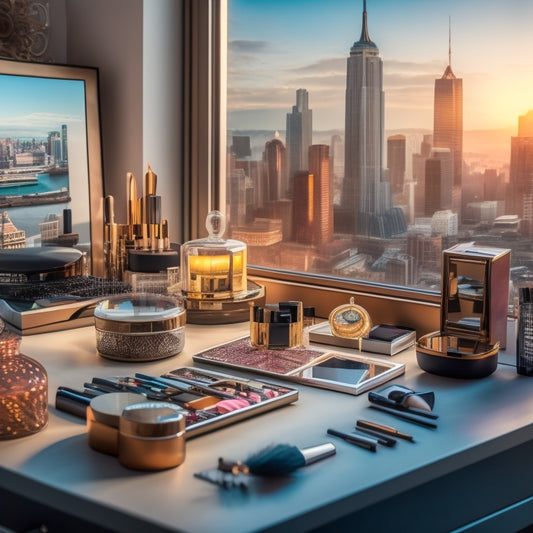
x=277, y=326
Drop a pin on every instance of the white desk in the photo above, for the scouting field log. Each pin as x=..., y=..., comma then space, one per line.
x=478, y=461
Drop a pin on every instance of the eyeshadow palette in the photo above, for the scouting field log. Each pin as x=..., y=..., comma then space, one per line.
x=208, y=400
x=341, y=372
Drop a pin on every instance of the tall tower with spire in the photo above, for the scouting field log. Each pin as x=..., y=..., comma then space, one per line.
x=365, y=198
x=448, y=115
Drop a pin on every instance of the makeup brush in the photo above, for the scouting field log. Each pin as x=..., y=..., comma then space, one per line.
x=275, y=460
x=281, y=459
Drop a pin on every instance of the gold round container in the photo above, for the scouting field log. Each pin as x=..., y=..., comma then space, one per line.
x=350, y=321
x=103, y=417
x=151, y=436
x=139, y=327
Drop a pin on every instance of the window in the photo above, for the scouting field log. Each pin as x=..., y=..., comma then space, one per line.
x=363, y=138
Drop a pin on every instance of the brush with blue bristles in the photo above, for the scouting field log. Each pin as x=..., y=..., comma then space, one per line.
x=274, y=460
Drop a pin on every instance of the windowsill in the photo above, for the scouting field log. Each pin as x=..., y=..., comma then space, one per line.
x=417, y=310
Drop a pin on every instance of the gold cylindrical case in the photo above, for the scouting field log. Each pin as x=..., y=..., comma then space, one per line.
x=103, y=416
x=151, y=436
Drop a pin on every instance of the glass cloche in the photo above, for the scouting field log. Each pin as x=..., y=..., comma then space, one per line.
x=213, y=268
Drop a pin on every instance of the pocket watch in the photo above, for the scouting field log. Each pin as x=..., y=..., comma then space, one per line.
x=350, y=321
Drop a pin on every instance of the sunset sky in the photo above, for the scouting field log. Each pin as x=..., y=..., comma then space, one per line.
x=279, y=46
x=35, y=106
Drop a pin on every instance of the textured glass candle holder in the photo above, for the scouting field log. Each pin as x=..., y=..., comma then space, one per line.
x=23, y=390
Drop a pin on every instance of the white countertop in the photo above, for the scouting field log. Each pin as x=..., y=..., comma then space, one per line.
x=478, y=419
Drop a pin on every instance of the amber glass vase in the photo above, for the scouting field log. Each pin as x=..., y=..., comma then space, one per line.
x=23, y=390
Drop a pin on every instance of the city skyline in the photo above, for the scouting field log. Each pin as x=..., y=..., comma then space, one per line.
x=263, y=77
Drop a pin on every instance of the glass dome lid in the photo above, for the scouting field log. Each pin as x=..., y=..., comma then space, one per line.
x=213, y=268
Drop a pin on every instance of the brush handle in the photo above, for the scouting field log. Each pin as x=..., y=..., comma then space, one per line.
x=316, y=453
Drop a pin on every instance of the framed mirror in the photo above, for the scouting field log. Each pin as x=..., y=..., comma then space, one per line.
x=464, y=294
x=51, y=180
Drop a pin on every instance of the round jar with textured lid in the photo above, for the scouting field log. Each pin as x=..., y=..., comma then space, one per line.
x=139, y=327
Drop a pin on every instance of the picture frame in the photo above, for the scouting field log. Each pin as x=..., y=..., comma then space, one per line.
x=52, y=124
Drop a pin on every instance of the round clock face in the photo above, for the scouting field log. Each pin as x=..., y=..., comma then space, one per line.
x=351, y=316
x=350, y=321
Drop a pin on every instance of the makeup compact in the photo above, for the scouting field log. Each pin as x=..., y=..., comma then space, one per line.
x=139, y=327
x=143, y=435
x=474, y=301
x=337, y=371
x=103, y=416
x=151, y=436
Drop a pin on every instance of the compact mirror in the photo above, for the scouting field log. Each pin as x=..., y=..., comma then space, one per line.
x=348, y=373
x=465, y=296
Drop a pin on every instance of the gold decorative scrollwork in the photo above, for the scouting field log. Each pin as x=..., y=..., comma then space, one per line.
x=24, y=29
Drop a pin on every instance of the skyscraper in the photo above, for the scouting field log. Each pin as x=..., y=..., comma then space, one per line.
x=448, y=117
x=396, y=162
x=64, y=144
x=299, y=134
x=275, y=182
x=365, y=198
x=319, y=166
x=521, y=169
x=438, y=184
x=303, y=207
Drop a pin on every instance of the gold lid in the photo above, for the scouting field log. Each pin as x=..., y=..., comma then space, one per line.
x=152, y=420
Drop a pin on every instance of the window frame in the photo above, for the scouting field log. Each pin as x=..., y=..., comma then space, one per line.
x=205, y=167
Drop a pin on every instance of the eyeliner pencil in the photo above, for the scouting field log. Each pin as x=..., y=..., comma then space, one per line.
x=404, y=416
x=363, y=442
x=380, y=428
x=382, y=439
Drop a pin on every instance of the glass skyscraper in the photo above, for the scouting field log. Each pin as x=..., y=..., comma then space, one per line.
x=365, y=198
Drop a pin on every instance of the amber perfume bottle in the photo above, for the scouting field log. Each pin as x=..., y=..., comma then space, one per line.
x=23, y=390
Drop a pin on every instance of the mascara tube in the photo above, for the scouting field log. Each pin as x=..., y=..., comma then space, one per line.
x=73, y=401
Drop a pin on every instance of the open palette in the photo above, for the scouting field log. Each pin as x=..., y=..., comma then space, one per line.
x=337, y=371
x=208, y=400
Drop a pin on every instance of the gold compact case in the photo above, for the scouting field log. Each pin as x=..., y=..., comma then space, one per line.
x=350, y=321
x=139, y=327
x=103, y=416
x=475, y=282
x=151, y=436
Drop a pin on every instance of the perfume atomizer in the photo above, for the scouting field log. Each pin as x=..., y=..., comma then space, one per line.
x=277, y=326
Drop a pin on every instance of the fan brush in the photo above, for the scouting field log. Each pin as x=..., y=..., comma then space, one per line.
x=274, y=460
